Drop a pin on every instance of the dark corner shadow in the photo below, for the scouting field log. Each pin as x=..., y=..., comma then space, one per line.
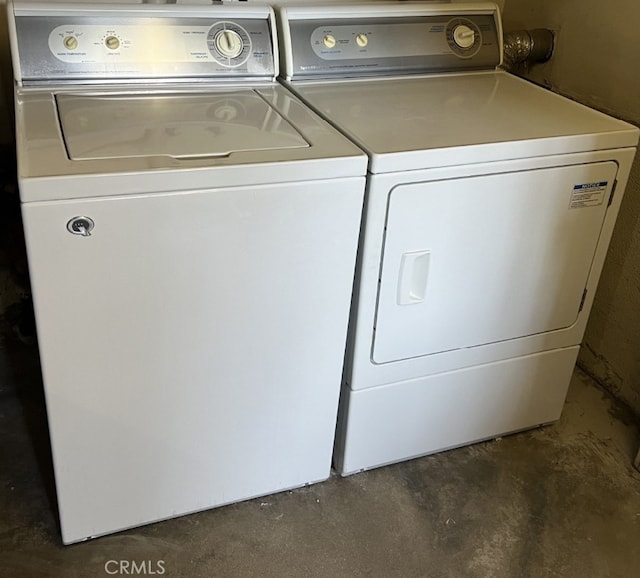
x=19, y=350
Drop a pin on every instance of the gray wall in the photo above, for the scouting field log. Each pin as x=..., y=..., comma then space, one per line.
x=596, y=63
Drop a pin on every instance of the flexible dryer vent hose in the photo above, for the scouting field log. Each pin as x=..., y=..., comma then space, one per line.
x=528, y=46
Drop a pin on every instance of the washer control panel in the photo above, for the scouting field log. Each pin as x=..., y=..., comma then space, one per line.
x=229, y=44
x=356, y=45
x=110, y=46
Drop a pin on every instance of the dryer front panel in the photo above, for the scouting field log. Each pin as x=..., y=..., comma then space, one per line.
x=479, y=260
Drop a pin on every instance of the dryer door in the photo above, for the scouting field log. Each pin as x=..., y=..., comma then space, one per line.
x=477, y=260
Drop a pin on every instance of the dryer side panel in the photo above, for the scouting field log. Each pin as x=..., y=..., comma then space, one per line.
x=479, y=260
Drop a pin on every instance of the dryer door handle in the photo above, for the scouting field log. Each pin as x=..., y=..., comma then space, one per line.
x=412, y=281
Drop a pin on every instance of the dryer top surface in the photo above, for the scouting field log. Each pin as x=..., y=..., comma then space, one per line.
x=422, y=122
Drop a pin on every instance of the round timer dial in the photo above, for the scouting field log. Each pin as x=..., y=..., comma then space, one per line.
x=229, y=44
x=464, y=37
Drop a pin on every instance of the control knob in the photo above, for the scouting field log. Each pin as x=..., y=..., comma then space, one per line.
x=362, y=40
x=329, y=41
x=70, y=42
x=464, y=36
x=112, y=42
x=229, y=43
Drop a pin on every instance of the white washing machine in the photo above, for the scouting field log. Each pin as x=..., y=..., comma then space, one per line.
x=489, y=209
x=192, y=232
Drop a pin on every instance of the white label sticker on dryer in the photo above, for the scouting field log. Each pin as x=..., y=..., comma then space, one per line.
x=588, y=195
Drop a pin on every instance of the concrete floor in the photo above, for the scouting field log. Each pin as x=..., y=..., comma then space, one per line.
x=559, y=501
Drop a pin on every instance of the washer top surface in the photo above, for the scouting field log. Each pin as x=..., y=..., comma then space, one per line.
x=136, y=139
x=178, y=126
x=116, y=99
x=444, y=120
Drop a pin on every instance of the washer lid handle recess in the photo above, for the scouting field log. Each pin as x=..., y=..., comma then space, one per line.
x=115, y=42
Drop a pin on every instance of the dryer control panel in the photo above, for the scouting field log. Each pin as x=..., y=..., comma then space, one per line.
x=114, y=42
x=402, y=39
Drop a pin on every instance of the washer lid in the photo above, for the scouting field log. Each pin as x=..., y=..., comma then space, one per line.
x=180, y=126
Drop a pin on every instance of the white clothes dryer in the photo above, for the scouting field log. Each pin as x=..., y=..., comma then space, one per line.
x=489, y=208
x=192, y=232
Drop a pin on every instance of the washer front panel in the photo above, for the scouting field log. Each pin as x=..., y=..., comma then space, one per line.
x=68, y=47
